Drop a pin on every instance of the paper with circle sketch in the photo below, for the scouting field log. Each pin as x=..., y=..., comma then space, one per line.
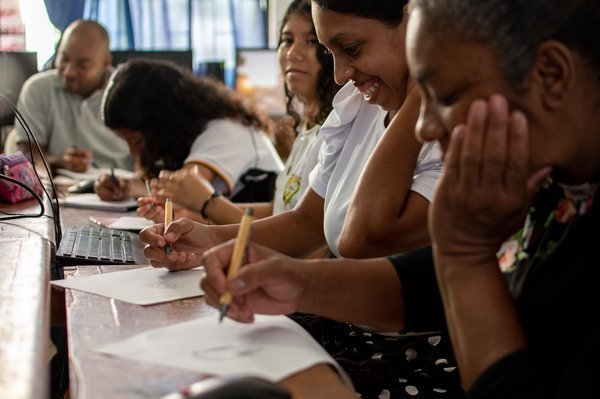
x=141, y=286
x=273, y=347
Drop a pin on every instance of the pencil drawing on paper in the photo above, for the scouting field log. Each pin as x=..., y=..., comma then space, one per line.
x=164, y=285
x=226, y=352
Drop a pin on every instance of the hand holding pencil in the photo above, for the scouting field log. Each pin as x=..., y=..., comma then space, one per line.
x=110, y=187
x=267, y=282
x=239, y=248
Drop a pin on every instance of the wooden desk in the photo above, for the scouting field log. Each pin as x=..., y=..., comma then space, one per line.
x=82, y=216
x=93, y=320
x=26, y=248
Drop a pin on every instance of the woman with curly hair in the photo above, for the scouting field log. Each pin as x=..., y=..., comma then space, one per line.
x=172, y=120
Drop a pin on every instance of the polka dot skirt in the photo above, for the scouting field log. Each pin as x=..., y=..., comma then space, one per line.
x=383, y=367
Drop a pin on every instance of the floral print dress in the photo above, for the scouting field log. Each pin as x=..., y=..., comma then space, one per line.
x=557, y=207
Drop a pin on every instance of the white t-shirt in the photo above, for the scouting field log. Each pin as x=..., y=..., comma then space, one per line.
x=350, y=134
x=229, y=149
x=293, y=181
x=60, y=119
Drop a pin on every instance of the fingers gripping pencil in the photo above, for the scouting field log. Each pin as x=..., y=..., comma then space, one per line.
x=241, y=242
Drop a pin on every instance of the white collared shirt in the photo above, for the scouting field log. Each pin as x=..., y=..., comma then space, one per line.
x=350, y=134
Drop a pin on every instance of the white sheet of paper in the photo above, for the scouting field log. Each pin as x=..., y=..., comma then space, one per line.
x=142, y=286
x=92, y=173
x=273, y=347
x=132, y=223
x=92, y=201
x=64, y=180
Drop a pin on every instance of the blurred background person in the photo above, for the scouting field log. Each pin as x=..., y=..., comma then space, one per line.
x=62, y=105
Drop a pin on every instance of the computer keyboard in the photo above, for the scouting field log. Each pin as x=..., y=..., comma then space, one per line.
x=90, y=244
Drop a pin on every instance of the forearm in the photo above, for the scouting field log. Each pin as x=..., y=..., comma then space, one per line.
x=384, y=216
x=480, y=312
x=282, y=232
x=289, y=233
x=385, y=230
x=365, y=292
x=222, y=211
x=317, y=382
x=195, y=216
x=53, y=161
x=295, y=233
x=261, y=209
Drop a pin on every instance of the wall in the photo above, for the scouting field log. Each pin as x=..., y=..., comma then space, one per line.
x=276, y=10
x=12, y=32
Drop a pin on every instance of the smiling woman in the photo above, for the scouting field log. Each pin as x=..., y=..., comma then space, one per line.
x=357, y=35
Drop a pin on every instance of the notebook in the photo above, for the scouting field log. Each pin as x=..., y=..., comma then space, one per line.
x=93, y=245
x=92, y=173
x=92, y=201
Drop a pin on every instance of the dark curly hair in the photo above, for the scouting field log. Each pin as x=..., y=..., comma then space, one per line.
x=170, y=107
x=326, y=86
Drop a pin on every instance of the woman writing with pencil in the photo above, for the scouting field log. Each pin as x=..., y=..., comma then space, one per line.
x=171, y=120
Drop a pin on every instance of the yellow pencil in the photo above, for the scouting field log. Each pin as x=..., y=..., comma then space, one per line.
x=237, y=256
x=168, y=220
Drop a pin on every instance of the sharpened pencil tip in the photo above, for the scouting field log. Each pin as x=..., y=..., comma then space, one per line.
x=223, y=311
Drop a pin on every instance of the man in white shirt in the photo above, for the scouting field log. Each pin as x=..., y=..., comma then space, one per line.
x=63, y=106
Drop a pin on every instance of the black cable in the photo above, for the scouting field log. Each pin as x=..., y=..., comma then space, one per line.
x=53, y=204
x=30, y=136
x=33, y=193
